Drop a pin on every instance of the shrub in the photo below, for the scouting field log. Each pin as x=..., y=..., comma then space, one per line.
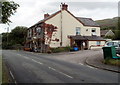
x=60, y=49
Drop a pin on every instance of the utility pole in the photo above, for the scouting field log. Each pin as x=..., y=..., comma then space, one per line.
x=7, y=34
x=61, y=24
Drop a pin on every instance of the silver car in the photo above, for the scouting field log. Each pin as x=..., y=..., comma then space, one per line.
x=114, y=43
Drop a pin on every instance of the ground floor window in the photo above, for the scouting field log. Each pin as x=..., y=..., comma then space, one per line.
x=98, y=42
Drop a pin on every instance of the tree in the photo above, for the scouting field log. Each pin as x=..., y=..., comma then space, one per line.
x=8, y=9
x=117, y=34
x=19, y=34
x=15, y=38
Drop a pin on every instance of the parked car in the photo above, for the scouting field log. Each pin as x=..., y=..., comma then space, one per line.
x=27, y=49
x=114, y=43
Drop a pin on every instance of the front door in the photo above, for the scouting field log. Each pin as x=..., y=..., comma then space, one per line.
x=82, y=44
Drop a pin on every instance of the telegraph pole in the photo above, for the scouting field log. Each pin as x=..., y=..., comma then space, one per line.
x=61, y=24
x=7, y=34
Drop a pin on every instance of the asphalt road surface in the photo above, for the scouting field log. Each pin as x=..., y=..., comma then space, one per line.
x=28, y=67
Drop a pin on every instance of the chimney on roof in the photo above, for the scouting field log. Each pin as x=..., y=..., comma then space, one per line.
x=46, y=15
x=64, y=6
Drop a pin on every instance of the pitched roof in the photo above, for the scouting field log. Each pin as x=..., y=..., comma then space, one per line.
x=106, y=33
x=84, y=21
x=79, y=37
x=52, y=15
x=87, y=21
x=103, y=32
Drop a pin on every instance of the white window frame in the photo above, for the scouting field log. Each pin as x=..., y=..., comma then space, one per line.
x=78, y=29
x=93, y=33
x=38, y=29
x=98, y=42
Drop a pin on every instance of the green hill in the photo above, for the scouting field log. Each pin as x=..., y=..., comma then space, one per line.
x=111, y=23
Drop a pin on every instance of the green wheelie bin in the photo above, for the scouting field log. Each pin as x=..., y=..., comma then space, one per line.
x=109, y=52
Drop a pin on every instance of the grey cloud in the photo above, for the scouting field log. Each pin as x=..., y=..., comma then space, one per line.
x=119, y=9
x=87, y=5
x=0, y=13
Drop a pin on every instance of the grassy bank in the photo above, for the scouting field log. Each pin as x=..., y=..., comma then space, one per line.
x=0, y=69
x=115, y=62
x=5, y=74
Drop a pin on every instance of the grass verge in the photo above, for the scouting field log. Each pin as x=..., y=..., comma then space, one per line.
x=5, y=74
x=0, y=69
x=115, y=62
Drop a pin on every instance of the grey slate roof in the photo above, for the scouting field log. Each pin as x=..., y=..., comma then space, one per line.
x=87, y=21
x=79, y=37
x=103, y=32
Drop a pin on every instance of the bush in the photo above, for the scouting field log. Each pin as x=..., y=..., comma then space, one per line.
x=60, y=49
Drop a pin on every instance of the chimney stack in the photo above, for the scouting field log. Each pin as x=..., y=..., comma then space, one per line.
x=46, y=15
x=64, y=6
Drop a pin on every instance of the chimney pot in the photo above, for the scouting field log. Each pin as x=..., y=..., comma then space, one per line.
x=64, y=6
x=46, y=15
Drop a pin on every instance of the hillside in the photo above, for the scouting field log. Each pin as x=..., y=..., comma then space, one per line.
x=108, y=23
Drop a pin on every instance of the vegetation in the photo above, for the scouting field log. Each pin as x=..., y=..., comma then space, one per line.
x=108, y=23
x=60, y=49
x=8, y=9
x=111, y=24
x=115, y=62
x=0, y=69
x=15, y=39
x=5, y=75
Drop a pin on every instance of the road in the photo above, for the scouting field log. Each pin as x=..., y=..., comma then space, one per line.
x=28, y=67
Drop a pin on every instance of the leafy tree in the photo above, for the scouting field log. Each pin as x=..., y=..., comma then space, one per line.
x=15, y=38
x=8, y=9
x=117, y=34
x=19, y=34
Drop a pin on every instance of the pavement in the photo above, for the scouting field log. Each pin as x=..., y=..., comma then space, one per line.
x=97, y=62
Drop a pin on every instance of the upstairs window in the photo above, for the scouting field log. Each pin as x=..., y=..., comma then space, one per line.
x=30, y=33
x=93, y=31
x=38, y=29
x=77, y=30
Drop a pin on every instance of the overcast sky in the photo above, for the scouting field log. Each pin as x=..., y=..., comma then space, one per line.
x=32, y=11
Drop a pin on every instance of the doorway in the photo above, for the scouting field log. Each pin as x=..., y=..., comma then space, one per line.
x=82, y=44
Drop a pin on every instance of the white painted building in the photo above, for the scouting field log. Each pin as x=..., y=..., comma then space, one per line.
x=69, y=31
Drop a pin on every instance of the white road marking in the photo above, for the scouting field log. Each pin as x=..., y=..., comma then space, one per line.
x=60, y=72
x=23, y=56
x=48, y=67
x=26, y=57
x=52, y=68
x=81, y=64
x=40, y=63
x=32, y=59
x=19, y=54
x=37, y=61
x=66, y=75
x=13, y=77
x=91, y=67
